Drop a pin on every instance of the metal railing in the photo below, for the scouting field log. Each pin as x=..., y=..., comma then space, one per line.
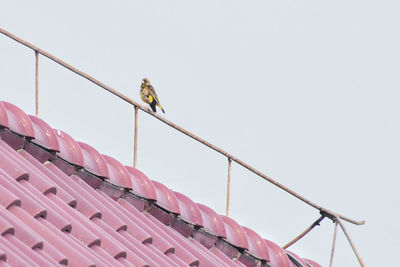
x=325, y=213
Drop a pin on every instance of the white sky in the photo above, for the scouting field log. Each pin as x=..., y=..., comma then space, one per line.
x=305, y=91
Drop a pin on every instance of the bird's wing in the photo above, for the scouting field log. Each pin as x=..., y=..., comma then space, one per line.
x=153, y=93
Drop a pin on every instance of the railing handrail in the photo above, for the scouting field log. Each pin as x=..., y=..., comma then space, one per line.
x=37, y=50
x=335, y=217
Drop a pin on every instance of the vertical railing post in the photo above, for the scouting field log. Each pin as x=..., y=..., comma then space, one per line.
x=351, y=243
x=228, y=189
x=333, y=244
x=37, y=83
x=135, y=138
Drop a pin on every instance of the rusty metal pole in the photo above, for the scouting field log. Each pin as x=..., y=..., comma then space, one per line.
x=305, y=232
x=351, y=243
x=135, y=138
x=228, y=188
x=37, y=83
x=184, y=131
x=333, y=244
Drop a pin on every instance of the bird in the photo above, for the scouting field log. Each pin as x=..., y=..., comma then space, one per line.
x=149, y=95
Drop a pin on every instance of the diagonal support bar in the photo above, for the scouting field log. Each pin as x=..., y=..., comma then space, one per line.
x=305, y=232
x=351, y=243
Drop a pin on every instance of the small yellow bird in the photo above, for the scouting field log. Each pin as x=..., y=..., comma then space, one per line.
x=149, y=95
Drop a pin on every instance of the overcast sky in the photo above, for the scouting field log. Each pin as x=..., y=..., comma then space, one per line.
x=305, y=91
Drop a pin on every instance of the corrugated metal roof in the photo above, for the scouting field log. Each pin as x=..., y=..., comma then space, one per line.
x=63, y=202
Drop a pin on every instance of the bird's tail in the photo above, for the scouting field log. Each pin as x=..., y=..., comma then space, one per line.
x=153, y=106
x=159, y=105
